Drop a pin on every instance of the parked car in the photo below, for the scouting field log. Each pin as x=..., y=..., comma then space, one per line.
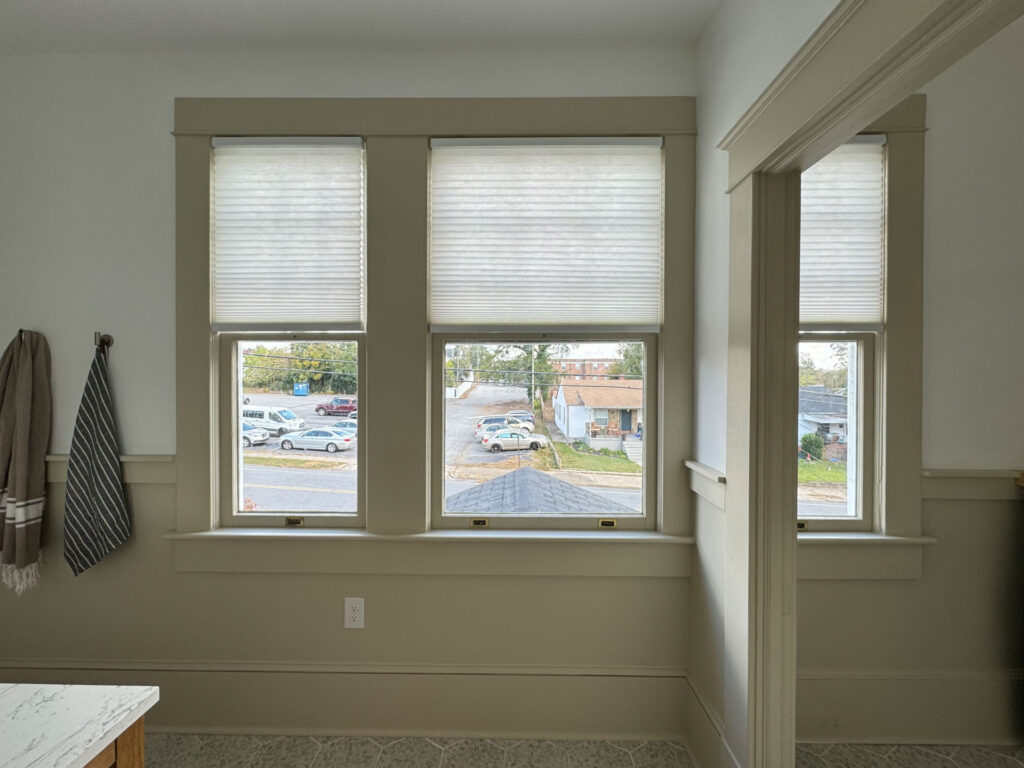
x=277, y=421
x=354, y=415
x=349, y=424
x=252, y=435
x=489, y=429
x=337, y=406
x=511, y=421
x=329, y=440
x=513, y=440
x=524, y=415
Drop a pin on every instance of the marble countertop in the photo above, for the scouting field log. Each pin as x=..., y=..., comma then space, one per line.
x=65, y=726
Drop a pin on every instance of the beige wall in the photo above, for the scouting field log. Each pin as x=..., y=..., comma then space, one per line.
x=570, y=656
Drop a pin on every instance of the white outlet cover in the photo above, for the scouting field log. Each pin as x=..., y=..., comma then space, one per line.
x=353, y=613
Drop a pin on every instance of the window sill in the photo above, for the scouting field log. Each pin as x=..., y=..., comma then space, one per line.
x=437, y=553
x=835, y=555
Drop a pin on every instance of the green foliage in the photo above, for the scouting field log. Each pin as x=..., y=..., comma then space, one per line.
x=812, y=444
x=329, y=367
x=632, y=362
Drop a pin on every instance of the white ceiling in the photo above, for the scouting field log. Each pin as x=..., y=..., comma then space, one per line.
x=170, y=25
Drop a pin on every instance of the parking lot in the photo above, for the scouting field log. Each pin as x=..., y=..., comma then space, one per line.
x=334, y=488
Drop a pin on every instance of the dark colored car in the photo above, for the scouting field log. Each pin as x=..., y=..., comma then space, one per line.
x=338, y=406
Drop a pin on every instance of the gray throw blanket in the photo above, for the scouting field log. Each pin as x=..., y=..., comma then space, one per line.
x=96, y=519
x=24, y=437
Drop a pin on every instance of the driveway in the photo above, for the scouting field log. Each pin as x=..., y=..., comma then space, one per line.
x=460, y=417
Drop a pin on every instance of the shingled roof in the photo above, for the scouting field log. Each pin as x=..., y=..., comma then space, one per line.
x=617, y=393
x=527, y=491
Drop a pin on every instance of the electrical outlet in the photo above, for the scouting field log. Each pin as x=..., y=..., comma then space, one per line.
x=353, y=613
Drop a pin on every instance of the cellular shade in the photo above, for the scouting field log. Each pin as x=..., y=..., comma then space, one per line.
x=287, y=233
x=546, y=233
x=842, y=237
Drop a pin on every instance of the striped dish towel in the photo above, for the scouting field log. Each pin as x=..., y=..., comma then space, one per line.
x=96, y=519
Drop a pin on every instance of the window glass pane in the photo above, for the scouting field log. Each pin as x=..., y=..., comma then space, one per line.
x=829, y=430
x=557, y=460
x=290, y=456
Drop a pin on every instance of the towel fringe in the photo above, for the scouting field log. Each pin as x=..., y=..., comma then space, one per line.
x=20, y=579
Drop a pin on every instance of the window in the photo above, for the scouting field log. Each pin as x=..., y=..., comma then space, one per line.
x=377, y=304
x=287, y=233
x=842, y=314
x=579, y=224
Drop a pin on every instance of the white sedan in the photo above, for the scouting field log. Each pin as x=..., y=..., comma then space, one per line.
x=329, y=440
x=513, y=440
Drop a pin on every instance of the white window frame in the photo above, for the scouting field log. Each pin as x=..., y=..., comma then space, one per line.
x=229, y=423
x=867, y=429
x=649, y=473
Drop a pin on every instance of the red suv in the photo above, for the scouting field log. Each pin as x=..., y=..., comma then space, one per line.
x=339, y=406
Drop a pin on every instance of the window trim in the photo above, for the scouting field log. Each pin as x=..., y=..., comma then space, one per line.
x=227, y=414
x=650, y=475
x=898, y=350
x=396, y=133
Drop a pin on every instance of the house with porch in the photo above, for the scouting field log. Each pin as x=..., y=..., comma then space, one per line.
x=607, y=414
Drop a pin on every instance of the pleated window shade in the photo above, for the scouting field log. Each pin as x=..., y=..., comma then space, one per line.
x=842, y=236
x=288, y=234
x=541, y=233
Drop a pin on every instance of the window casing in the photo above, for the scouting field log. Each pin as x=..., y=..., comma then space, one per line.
x=393, y=354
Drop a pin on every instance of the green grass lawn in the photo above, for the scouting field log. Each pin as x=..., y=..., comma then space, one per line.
x=281, y=461
x=588, y=462
x=821, y=471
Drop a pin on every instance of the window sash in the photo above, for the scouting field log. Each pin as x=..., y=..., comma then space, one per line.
x=229, y=415
x=866, y=468
x=649, y=474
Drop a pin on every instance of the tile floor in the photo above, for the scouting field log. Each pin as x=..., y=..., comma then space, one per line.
x=889, y=756
x=206, y=751
x=187, y=751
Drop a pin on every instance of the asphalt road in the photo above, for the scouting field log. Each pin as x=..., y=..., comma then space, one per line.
x=278, y=489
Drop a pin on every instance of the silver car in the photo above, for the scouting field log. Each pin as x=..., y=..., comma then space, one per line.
x=253, y=435
x=329, y=440
x=347, y=424
x=513, y=440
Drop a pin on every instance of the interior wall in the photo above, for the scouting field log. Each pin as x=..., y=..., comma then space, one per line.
x=939, y=658
x=87, y=233
x=743, y=48
x=974, y=260
x=87, y=243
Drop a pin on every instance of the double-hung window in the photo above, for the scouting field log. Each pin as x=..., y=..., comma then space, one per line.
x=349, y=309
x=287, y=245
x=842, y=334
x=541, y=249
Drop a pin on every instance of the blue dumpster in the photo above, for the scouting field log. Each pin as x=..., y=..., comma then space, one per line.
x=300, y=388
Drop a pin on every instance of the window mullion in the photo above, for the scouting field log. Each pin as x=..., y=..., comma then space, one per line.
x=394, y=406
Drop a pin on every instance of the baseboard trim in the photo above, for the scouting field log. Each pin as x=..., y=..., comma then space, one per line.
x=321, y=668
x=704, y=728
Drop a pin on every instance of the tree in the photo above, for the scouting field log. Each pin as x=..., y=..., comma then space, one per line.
x=813, y=445
x=631, y=366
x=531, y=366
x=808, y=371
